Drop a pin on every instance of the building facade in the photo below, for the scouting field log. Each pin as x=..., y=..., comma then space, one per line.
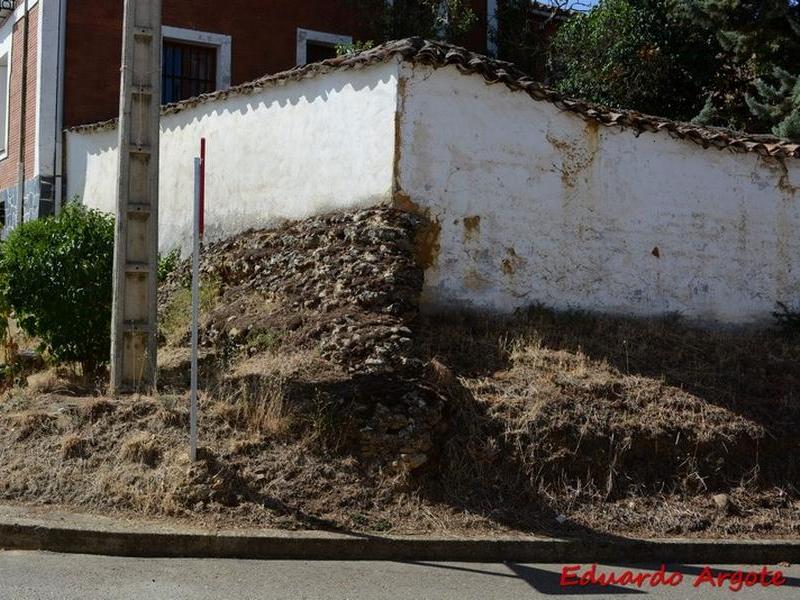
x=21, y=105
x=60, y=60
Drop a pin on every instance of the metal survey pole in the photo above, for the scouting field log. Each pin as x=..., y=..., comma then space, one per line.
x=133, y=323
x=198, y=230
x=195, y=307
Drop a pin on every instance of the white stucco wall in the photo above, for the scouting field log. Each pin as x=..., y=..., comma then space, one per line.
x=531, y=205
x=289, y=151
x=575, y=215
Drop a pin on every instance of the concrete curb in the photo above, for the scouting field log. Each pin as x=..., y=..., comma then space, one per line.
x=97, y=535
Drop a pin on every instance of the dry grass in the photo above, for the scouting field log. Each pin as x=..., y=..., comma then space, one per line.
x=32, y=424
x=46, y=382
x=95, y=408
x=285, y=364
x=573, y=412
x=558, y=423
x=141, y=447
x=75, y=446
x=63, y=379
x=258, y=406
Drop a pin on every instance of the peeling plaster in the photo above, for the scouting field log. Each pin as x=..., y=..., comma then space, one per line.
x=577, y=216
x=472, y=227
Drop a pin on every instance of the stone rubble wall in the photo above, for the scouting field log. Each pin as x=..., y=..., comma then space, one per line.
x=345, y=285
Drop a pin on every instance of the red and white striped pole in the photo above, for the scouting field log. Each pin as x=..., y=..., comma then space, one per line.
x=202, y=187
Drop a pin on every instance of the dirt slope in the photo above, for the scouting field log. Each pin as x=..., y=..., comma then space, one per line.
x=330, y=402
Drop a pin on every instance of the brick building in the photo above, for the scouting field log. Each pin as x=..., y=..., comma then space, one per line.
x=63, y=56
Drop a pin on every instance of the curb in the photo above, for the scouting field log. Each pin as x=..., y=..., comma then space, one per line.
x=152, y=541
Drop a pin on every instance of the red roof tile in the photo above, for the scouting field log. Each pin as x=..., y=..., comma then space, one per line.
x=438, y=54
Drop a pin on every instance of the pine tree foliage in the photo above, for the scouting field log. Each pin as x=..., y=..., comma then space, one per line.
x=755, y=37
x=778, y=103
x=763, y=31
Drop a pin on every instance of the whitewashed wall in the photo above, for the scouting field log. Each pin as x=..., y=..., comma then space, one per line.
x=536, y=205
x=531, y=205
x=289, y=151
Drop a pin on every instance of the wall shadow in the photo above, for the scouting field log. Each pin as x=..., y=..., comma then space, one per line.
x=750, y=374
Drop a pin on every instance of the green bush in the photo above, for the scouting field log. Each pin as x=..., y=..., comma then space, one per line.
x=55, y=274
x=635, y=54
x=167, y=263
x=354, y=47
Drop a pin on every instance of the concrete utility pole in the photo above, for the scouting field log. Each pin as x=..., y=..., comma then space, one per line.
x=133, y=323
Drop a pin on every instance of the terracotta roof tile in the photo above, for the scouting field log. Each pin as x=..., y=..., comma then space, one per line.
x=438, y=54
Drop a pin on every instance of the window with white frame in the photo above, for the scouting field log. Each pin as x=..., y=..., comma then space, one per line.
x=194, y=63
x=314, y=46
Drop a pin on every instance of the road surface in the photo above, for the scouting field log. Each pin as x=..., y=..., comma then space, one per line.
x=44, y=576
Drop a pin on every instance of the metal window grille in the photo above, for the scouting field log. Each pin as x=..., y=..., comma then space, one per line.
x=188, y=71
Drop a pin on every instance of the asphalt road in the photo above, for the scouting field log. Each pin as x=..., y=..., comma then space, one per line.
x=43, y=576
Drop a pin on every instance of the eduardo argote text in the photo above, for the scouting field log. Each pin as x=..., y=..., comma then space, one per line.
x=578, y=575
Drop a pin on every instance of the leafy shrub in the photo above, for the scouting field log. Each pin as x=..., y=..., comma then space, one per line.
x=353, y=48
x=634, y=54
x=167, y=263
x=55, y=273
x=8, y=346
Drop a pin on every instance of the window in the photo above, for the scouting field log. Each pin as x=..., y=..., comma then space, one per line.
x=315, y=52
x=4, y=96
x=194, y=62
x=188, y=70
x=314, y=46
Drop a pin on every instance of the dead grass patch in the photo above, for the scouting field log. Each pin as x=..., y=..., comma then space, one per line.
x=64, y=379
x=282, y=365
x=142, y=448
x=172, y=411
x=34, y=424
x=47, y=382
x=575, y=411
x=75, y=446
x=97, y=408
x=257, y=406
x=556, y=424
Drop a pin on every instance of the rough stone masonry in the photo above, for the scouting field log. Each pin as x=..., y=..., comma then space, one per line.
x=347, y=286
